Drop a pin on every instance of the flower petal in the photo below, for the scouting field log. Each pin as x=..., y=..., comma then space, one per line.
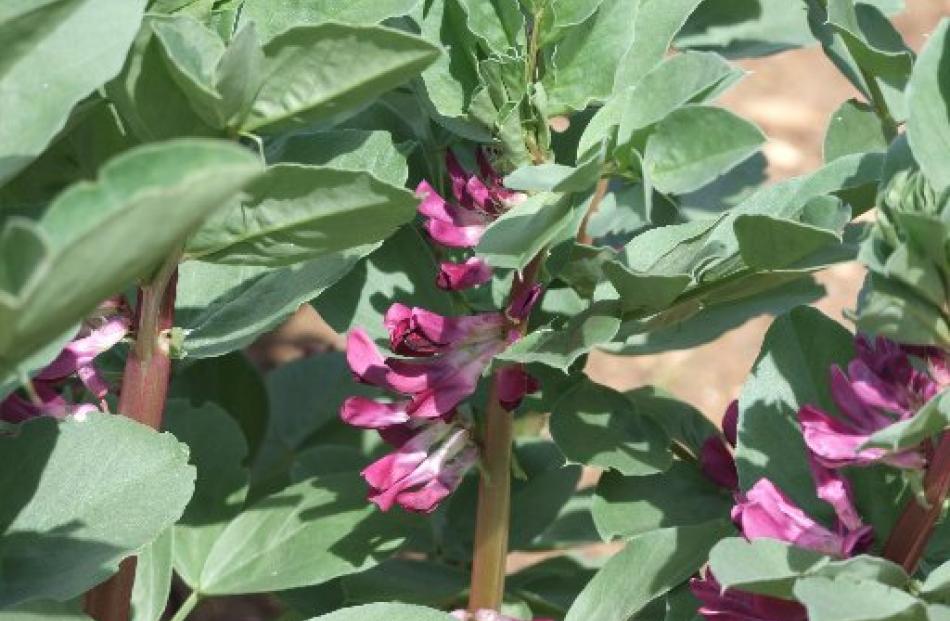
x=457, y=276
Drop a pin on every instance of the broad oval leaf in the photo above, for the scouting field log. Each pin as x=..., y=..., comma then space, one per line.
x=309, y=533
x=314, y=72
x=273, y=18
x=928, y=94
x=597, y=426
x=225, y=307
x=217, y=450
x=693, y=145
x=293, y=213
x=42, y=76
x=84, y=495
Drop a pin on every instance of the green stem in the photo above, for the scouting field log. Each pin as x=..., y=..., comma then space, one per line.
x=493, y=515
x=187, y=607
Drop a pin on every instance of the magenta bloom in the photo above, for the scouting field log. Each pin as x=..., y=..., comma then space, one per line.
x=715, y=457
x=737, y=605
x=444, y=357
x=765, y=511
x=98, y=334
x=456, y=276
x=428, y=464
x=479, y=200
x=880, y=388
x=451, y=352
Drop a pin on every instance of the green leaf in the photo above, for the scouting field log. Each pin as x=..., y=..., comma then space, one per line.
x=661, y=560
x=107, y=234
x=386, y=612
x=307, y=394
x=695, y=144
x=294, y=213
x=892, y=309
x=765, y=566
x=585, y=60
x=519, y=234
x=148, y=99
x=561, y=15
x=345, y=149
x=645, y=293
x=218, y=450
x=682, y=422
x=309, y=533
x=220, y=83
x=302, y=85
x=681, y=496
x=937, y=585
x=928, y=421
x=401, y=270
x=44, y=611
x=597, y=426
x=233, y=383
x=497, y=22
x=225, y=307
x=551, y=177
x=928, y=96
x=767, y=243
x=153, y=579
x=791, y=371
x=272, y=19
x=84, y=495
x=536, y=499
x=657, y=22
x=326, y=459
x=560, y=347
x=845, y=599
x=853, y=128
x=42, y=77
x=407, y=581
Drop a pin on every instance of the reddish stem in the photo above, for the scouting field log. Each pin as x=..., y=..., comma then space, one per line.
x=913, y=528
x=142, y=398
x=494, y=488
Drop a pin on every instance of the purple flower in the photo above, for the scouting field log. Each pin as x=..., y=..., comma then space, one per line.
x=715, y=457
x=881, y=387
x=98, y=334
x=479, y=200
x=766, y=512
x=736, y=605
x=456, y=276
x=446, y=356
x=428, y=464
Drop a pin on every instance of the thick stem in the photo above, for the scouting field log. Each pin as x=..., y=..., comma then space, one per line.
x=913, y=528
x=494, y=489
x=142, y=398
x=582, y=235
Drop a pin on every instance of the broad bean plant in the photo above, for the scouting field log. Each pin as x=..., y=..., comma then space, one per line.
x=477, y=194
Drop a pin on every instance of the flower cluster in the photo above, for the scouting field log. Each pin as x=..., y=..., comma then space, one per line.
x=880, y=388
x=765, y=511
x=98, y=334
x=479, y=200
x=437, y=363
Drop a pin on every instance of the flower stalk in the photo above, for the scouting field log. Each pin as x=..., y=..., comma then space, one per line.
x=912, y=531
x=493, y=515
x=142, y=398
